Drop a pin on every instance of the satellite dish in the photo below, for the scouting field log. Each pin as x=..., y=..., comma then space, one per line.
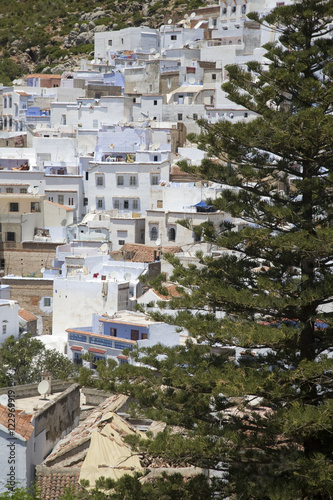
x=42, y=270
x=29, y=190
x=152, y=50
x=142, y=147
x=157, y=146
x=186, y=16
x=35, y=190
x=63, y=222
x=43, y=388
x=135, y=89
x=4, y=400
x=127, y=276
x=170, y=46
x=158, y=55
x=169, y=21
x=158, y=242
x=104, y=248
x=192, y=15
x=191, y=80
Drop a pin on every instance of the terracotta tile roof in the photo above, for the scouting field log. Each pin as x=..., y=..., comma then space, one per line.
x=23, y=425
x=53, y=483
x=141, y=253
x=121, y=356
x=43, y=75
x=177, y=174
x=98, y=351
x=172, y=292
x=27, y=316
x=76, y=348
x=58, y=205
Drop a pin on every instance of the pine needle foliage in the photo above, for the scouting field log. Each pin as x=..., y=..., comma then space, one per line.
x=251, y=398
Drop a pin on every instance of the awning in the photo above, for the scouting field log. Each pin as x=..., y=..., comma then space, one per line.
x=76, y=348
x=97, y=351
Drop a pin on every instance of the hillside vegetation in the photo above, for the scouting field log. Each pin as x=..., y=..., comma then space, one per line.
x=38, y=35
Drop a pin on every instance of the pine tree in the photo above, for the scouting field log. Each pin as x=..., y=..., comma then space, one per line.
x=264, y=417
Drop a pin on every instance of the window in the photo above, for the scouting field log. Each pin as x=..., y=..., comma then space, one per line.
x=135, y=204
x=144, y=336
x=126, y=204
x=180, y=116
x=173, y=37
x=224, y=10
x=5, y=102
x=13, y=207
x=133, y=180
x=134, y=99
x=246, y=115
x=116, y=203
x=70, y=201
x=159, y=203
x=113, y=332
x=35, y=206
x=85, y=202
x=155, y=102
x=169, y=83
x=99, y=180
x=196, y=236
x=121, y=242
x=9, y=190
x=77, y=359
x=4, y=329
x=150, y=87
x=155, y=157
x=51, y=198
x=99, y=203
x=87, y=176
x=233, y=9
x=153, y=233
x=122, y=40
x=110, y=43
x=47, y=302
x=134, y=334
x=214, y=76
x=243, y=9
x=10, y=236
x=2, y=263
x=64, y=119
x=23, y=190
x=60, y=199
x=154, y=180
x=195, y=116
x=172, y=234
x=120, y=180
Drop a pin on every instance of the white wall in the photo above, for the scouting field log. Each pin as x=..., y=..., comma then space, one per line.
x=9, y=319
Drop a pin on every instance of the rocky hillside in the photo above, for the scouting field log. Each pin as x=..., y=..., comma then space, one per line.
x=39, y=35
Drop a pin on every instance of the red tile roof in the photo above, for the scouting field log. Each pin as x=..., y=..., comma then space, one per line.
x=122, y=357
x=58, y=205
x=23, y=425
x=27, y=316
x=43, y=75
x=141, y=253
x=172, y=292
x=52, y=484
x=98, y=351
x=76, y=348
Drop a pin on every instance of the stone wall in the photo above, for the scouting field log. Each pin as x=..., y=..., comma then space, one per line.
x=26, y=258
x=30, y=294
x=30, y=390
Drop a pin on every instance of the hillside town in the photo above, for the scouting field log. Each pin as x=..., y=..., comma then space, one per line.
x=91, y=196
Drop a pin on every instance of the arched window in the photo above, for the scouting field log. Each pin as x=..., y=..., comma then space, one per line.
x=172, y=234
x=153, y=233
